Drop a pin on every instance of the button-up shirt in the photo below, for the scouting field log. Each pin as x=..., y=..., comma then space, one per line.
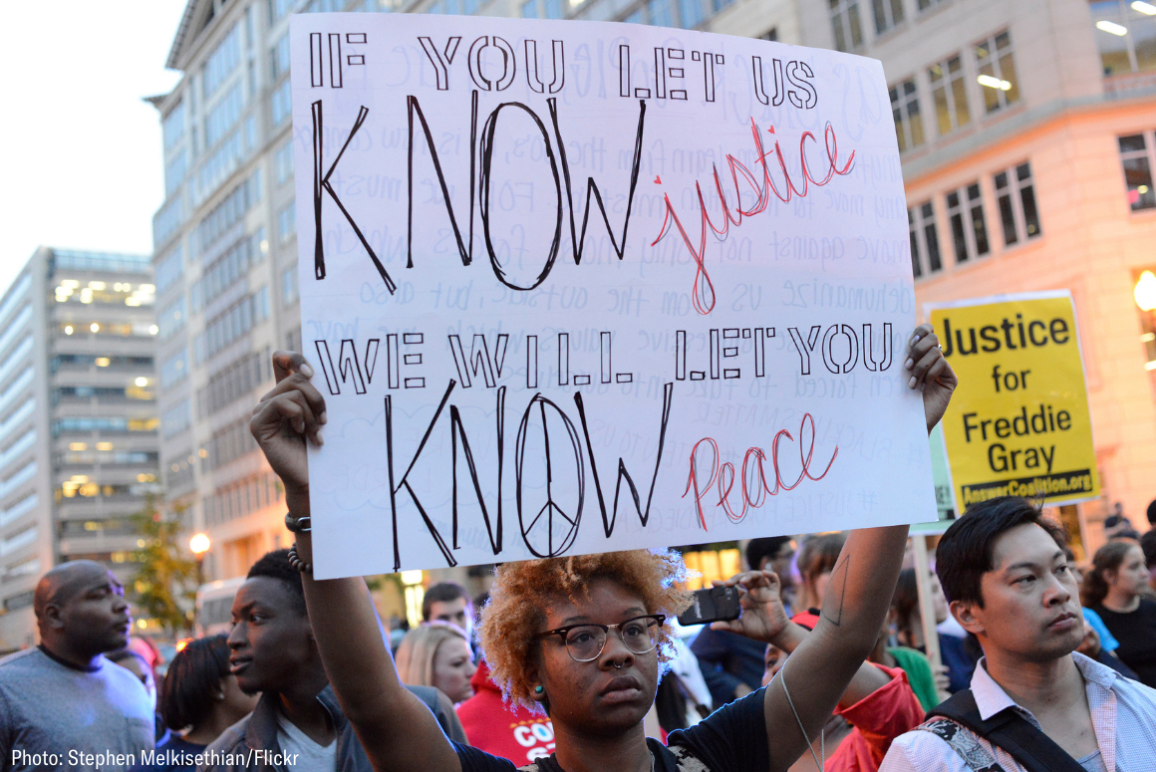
x=1123, y=719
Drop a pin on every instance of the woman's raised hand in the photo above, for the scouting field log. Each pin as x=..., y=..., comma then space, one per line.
x=929, y=372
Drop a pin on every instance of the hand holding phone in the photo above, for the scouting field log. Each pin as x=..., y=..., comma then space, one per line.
x=714, y=604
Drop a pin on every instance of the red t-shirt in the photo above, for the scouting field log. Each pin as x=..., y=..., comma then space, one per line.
x=501, y=729
x=878, y=718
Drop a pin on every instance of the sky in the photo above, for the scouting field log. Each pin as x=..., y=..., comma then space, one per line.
x=84, y=165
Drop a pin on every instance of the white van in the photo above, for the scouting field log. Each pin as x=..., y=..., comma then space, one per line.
x=215, y=606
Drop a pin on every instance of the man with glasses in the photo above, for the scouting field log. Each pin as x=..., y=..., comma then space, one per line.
x=63, y=700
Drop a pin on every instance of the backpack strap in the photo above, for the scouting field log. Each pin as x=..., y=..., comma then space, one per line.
x=1009, y=730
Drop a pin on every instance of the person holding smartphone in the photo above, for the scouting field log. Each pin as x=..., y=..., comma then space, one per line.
x=581, y=638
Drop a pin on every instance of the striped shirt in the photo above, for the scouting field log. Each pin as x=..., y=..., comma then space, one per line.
x=1123, y=718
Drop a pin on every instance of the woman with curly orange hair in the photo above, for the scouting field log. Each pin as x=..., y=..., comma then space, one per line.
x=582, y=638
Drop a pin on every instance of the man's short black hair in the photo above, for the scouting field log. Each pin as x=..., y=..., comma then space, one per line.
x=276, y=565
x=767, y=548
x=1148, y=544
x=1152, y=513
x=964, y=553
x=442, y=592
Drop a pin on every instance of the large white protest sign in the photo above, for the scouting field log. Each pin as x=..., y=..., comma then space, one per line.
x=575, y=287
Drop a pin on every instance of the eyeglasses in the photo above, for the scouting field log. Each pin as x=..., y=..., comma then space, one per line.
x=584, y=642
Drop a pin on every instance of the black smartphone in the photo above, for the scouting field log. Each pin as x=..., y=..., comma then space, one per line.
x=716, y=604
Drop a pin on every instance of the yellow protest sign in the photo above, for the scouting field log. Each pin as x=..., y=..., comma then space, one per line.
x=1019, y=423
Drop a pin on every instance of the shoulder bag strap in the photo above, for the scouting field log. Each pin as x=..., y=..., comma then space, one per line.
x=1009, y=730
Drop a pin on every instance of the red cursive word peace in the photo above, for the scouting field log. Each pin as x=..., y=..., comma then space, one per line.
x=722, y=475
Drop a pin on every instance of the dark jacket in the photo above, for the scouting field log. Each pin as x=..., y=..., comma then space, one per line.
x=250, y=745
x=727, y=660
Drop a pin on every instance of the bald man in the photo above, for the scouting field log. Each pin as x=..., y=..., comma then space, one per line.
x=62, y=705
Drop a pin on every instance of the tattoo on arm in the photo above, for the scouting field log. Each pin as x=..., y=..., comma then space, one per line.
x=836, y=593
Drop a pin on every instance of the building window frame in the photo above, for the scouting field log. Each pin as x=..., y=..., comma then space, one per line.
x=967, y=223
x=1121, y=25
x=907, y=114
x=924, y=240
x=1138, y=188
x=996, y=71
x=1017, y=205
x=948, y=81
x=846, y=24
x=888, y=14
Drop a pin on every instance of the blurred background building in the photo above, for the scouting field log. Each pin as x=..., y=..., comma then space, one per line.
x=1027, y=139
x=78, y=421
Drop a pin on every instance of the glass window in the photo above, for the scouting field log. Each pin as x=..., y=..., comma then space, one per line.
x=888, y=13
x=923, y=5
x=170, y=269
x=224, y=115
x=554, y=9
x=221, y=62
x=173, y=127
x=1136, y=160
x=167, y=220
x=279, y=9
x=1016, y=196
x=175, y=171
x=968, y=228
x=846, y=24
x=691, y=13
x=287, y=222
x=171, y=319
x=176, y=419
x=282, y=105
x=905, y=109
x=289, y=285
x=661, y=13
x=530, y=9
x=718, y=5
x=997, y=72
x=1125, y=34
x=175, y=369
x=950, y=95
x=925, y=257
x=1028, y=200
x=279, y=58
x=283, y=163
x=978, y=223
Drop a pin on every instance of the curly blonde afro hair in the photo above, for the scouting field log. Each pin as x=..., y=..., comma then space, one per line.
x=521, y=592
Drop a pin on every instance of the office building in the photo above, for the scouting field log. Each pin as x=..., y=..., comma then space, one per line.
x=78, y=423
x=1027, y=139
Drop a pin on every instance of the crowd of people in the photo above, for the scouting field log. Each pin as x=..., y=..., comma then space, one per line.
x=576, y=664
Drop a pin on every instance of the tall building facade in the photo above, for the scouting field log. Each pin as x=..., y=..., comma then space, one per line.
x=78, y=422
x=1027, y=139
x=1027, y=132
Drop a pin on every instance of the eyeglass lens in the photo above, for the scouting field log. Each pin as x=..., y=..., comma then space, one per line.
x=586, y=642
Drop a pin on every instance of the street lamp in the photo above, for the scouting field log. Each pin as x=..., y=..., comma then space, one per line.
x=199, y=545
x=1145, y=291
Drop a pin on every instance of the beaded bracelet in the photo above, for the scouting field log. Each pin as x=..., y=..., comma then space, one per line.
x=297, y=563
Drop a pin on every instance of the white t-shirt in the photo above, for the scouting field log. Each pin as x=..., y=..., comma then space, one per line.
x=301, y=753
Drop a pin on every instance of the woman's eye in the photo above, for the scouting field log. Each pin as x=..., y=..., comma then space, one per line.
x=635, y=629
x=580, y=637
